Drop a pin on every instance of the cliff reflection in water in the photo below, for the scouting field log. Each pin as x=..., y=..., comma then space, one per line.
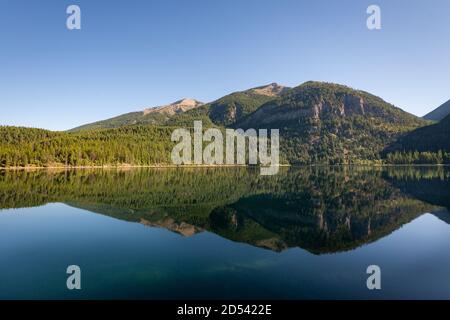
x=320, y=209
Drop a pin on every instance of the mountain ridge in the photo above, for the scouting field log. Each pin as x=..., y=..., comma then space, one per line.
x=182, y=105
x=222, y=111
x=439, y=113
x=151, y=115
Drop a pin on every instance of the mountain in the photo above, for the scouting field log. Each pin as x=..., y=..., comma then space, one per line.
x=231, y=108
x=439, y=113
x=330, y=123
x=224, y=111
x=320, y=101
x=432, y=139
x=154, y=115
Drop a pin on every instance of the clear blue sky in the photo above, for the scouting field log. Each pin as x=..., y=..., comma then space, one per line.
x=135, y=54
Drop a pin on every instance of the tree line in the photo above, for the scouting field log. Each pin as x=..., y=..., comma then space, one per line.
x=416, y=157
x=137, y=145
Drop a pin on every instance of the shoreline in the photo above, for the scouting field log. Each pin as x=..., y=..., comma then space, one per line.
x=166, y=166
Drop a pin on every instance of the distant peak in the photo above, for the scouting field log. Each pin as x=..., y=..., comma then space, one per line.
x=439, y=113
x=179, y=106
x=273, y=89
x=186, y=101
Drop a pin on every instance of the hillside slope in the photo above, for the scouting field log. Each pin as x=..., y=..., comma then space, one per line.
x=430, y=144
x=439, y=113
x=154, y=115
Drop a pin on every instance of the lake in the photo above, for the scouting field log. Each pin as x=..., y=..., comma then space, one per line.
x=187, y=233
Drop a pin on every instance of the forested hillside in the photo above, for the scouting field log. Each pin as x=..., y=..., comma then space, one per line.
x=426, y=145
x=136, y=145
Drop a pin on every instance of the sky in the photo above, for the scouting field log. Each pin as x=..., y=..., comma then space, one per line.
x=129, y=55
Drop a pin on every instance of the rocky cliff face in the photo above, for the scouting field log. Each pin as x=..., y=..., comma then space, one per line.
x=273, y=113
x=350, y=105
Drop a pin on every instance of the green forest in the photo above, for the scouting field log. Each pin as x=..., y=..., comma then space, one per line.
x=416, y=157
x=134, y=145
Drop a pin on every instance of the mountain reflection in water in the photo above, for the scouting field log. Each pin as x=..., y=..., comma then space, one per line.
x=319, y=209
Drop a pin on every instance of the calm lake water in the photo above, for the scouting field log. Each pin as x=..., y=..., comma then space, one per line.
x=226, y=233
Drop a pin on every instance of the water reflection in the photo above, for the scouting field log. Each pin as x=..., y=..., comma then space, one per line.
x=320, y=209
